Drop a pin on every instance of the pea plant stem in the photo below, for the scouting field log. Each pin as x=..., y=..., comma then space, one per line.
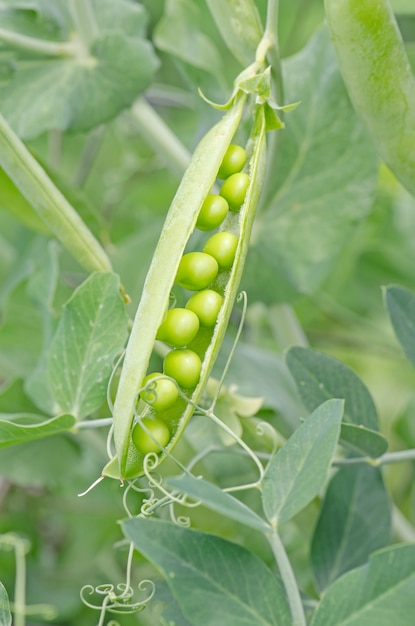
x=269, y=48
x=288, y=578
x=84, y=19
x=41, y=46
x=20, y=584
x=53, y=208
x=160, y=137
x=385, y=459
x=270, y=39
x=401, y=527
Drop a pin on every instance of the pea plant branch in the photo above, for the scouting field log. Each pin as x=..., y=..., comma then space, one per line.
x=288, y=577
x=39, y=46
x=84, y=19
x=159, y=136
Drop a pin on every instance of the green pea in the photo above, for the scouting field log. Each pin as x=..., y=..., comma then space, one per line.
x=233, y=161
x=222, y=246
x=160, y=394
x=184, y=366
x=157, y=437
x=178, y=328
x=206, y=304
x=196, y=270
x=234, y=190
x=212, y=212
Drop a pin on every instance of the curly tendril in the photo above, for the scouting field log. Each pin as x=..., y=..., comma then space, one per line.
x=241, y=297
x=117, y=599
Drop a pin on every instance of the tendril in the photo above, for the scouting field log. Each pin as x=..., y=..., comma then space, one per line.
x=241, y=296
x=180, y=520
x=117, y=599
x=111, y=380
x=132, y=486
x=245, y=447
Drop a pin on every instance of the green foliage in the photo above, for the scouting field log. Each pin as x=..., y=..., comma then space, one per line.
x=283, y=493
x=86, y=88
x=320, y=377
x=5, y=615
x=401, y=308
x=376, y=593
x=354, y=521
x=241, y=590
x=300, y=469
x=78, y=369
x=322, y=181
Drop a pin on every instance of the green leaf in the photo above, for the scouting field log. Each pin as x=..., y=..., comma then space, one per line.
x=172, y=614
x=214, y=498
x=91, y=332
x=355, y=520
x=5, y=615
x=23, y=427
x=42, y=286
x=13, y=399
x=299, y=470
x=214, y=581
x=319, y=377
x=178, y=33
x=20, y=335
x=240, y=26
x=260, y=372
x=41, y=462
x=400, y=303
x=321, y=183
x=363, y=440
x=72, y=94
x=377, y=594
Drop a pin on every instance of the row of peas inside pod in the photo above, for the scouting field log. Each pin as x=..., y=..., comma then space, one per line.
x=188, y=330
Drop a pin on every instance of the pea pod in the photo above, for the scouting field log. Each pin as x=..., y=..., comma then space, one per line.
x=378, y=77
x=51, y=206
x=179, y=225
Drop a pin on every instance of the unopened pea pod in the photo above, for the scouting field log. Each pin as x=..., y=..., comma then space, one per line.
x=196, y=183
x=209, y=340
x=378, y=77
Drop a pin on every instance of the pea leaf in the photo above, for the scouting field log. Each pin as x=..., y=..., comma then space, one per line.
x=41, y=463
x=321, y=183
x=5, y=615
x=299, y=470
x=400, y=303
x=42, y=286
x=363, y=440
x=377, y=594
x=213, y=580
x=260, y=372
x=319, y=377
x=214, y=498
x=77, y=93
x=355, y=520
x=91, y=332
x=240, y=26
x=172, y=613
x=20, y=335
x=178, y=33
x=13, y=399
x=70, y=95
x=22, y=427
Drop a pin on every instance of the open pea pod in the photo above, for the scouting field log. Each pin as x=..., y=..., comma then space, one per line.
x=376, y=70
x=179, y=225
